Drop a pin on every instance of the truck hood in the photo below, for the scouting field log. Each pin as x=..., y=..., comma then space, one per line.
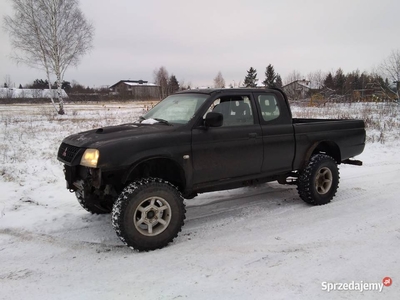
x=98, y=137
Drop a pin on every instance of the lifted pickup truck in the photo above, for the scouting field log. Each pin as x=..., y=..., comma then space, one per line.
x=199, y=141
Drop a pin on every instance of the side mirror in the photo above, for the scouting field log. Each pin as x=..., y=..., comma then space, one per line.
x=213, y=119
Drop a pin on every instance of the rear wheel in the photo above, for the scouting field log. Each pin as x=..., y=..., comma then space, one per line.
x=148, y=214
x=319, y=181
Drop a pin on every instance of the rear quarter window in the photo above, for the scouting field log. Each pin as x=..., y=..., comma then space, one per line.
x=269, y=107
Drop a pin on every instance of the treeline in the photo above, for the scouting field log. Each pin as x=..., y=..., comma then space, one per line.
x=68, y=87
x=168, y=83
x=335, y=85
x=272, y=79
x=380, y=85
x=340, y=86
x=44, y=84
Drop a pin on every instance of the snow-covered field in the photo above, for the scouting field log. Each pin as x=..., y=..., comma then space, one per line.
x=261, y=242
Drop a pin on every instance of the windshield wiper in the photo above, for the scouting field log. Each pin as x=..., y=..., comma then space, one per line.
x=163, y=121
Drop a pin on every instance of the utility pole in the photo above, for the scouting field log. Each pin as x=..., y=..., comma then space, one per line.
x=398, y=93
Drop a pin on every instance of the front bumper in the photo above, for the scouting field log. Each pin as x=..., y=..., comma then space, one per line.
x=79, y=177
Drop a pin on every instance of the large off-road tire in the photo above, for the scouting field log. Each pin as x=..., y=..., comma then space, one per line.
x=319, y=181
x=92, y=204
x=148, y=214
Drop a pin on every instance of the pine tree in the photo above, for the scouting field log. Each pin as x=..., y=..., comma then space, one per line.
x=339, y=81
x=173, y=85
x=278, y=81
x=270, y=76
x=328, y=82
x=40, y=84
x=387, y=85
x=66, y=86
x=251, y=78
x=356, y=80
x=364, y=79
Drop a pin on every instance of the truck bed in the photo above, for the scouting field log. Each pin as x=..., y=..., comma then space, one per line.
x=348, y=135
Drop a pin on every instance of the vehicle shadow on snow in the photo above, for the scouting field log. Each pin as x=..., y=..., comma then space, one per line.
x=212, y=207
x=203, y=213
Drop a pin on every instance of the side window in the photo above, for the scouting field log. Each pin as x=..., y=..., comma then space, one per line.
x=235, y=109
x=269, y=107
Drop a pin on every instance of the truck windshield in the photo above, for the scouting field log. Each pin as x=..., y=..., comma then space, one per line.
x=178, y=108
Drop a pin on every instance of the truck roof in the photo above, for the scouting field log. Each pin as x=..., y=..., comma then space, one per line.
x=226, y=90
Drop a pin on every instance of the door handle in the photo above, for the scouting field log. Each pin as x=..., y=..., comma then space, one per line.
x=253, y=135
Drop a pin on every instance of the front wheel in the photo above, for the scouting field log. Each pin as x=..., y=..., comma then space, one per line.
x=319, y=181
x=148, y=214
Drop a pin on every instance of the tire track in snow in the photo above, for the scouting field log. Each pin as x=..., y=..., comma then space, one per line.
x=230, y=205
x=27, y=236
x=234, y=207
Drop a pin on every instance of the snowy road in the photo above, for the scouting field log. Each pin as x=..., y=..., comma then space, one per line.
x=253, y=243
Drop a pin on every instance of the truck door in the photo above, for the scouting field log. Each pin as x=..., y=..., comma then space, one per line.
x=277, y=133
x=235, y=149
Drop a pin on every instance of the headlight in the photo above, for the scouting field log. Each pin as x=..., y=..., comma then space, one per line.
x=90, y=158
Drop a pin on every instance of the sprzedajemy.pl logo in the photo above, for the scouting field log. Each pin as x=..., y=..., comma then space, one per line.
x=360, y=286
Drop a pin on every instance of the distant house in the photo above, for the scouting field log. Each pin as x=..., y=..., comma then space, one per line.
x=373, y=91
x=298, y=89
x=137, y=89
x=13, y=93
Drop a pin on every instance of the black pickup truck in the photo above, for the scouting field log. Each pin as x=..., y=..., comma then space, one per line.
x=199, y=141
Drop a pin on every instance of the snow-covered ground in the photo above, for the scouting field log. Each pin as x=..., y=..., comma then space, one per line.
x=260, y=242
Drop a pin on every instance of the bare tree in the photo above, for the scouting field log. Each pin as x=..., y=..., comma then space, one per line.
x=219, y=81
x=8, y=84
x=50, y=35
x=7, y=81
x=295, y=75
x=316, y=79
x=184, y=86
x=161, y=79
x=390, y=67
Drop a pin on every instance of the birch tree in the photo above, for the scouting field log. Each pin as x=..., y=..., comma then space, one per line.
x=50, y=35
x=317, y=79
x=161, y=79
x=391, y=68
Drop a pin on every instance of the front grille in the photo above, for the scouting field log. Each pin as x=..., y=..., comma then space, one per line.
x=67, y=152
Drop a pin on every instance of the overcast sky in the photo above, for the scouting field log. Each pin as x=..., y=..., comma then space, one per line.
x=196, y=39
